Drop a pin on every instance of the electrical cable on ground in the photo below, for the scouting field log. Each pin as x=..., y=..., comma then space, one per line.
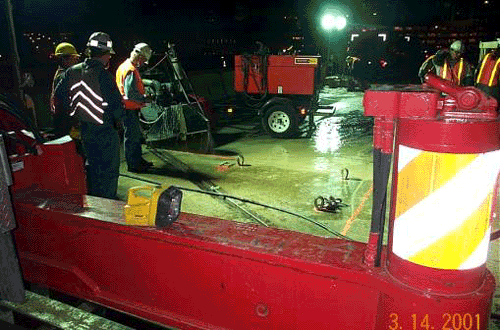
x=226, y=196
x=205, y=184
x=238, y=157
x=269, y=207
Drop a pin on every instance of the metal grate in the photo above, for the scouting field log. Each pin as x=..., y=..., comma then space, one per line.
x=174, y=121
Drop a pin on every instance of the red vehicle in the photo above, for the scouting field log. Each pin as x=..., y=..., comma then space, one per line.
x=193, y=272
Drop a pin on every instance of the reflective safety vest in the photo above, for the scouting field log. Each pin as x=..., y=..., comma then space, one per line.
x=454, y=74
x=86, y=100
x=489, y=72
x=121, y=73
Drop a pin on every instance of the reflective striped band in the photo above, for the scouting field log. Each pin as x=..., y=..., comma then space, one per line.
x=82, y=100
x=445, y=70
x=485, y=60
x=89, y=101
x=442, y=217
x=97, y=43
x=460, y=70
x=493, y=73
x=444, y=73
x=82, y=83
x=89, y=112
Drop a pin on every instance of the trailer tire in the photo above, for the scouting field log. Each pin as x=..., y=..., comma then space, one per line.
x=281, y=121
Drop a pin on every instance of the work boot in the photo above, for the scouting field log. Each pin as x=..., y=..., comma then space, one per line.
x=142, y=168
x=147, y=163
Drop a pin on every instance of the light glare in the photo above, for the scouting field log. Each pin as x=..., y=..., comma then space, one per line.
x=330, y=22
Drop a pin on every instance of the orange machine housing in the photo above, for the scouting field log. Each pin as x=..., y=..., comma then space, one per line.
x=281, y=74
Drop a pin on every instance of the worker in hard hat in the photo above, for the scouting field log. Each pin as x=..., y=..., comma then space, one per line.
x=88, y=92
x=132, y=89
x=66, y=56
x=450, y=64
x=488, y=73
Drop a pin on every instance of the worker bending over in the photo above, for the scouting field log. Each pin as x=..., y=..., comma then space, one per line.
x=134, y=96
x=450, y=65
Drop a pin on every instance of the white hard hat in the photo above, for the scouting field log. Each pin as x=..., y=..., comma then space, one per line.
x=144, y=50
x=457, y=46
x=102, y=41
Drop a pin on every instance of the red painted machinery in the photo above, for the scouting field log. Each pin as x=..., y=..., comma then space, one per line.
x=278, y=75
x=207, y=273
x=281, y=88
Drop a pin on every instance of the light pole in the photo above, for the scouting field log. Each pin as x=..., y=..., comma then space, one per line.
x=330, y=22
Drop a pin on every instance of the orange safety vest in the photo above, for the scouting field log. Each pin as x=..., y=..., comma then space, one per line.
x=454, y=74
x=488, y=73
x=123, y=70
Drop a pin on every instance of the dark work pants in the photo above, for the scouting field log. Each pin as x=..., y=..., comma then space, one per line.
x=132, y=139
x=102, y=149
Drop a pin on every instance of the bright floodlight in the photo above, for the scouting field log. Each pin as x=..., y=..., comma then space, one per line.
x=330, y=22
x=340, y=23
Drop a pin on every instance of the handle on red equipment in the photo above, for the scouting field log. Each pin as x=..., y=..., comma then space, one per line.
x=467, y=98
x=443, y=85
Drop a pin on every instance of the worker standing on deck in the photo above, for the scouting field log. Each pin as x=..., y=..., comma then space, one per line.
x=133, y=91
x=450, y=65
x=66, y=56
x=488, y=73
x=88, y=91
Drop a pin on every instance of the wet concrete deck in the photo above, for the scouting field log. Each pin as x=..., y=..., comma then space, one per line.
x=286, y=174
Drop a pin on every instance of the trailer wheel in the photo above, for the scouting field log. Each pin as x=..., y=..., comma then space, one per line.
x=281, y=121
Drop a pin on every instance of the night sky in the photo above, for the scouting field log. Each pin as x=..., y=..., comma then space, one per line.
x=145, y=16
x=188, y=19
x=124, y=13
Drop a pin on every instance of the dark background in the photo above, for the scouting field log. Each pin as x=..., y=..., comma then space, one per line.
x=190, y=23
x=157, y=19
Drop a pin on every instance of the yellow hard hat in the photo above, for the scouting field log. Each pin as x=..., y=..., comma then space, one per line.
x=65, y=48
